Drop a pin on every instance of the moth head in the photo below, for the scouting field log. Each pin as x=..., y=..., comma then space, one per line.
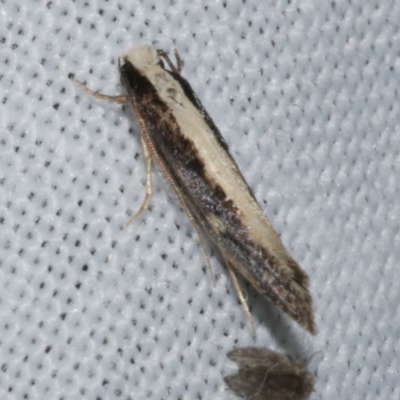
x=142, y=57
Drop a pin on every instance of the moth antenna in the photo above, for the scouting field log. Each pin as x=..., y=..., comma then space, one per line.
x=119, y=99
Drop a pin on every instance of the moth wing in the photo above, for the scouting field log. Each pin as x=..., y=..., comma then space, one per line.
x=194, y=158
x=278, y=276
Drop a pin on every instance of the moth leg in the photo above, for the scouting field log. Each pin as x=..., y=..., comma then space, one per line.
x=149, y=190
x=122, y=99
x=179, y=62
x=240, y=295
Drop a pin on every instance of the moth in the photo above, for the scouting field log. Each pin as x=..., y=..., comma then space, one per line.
x=266, y=375
x=179, y=136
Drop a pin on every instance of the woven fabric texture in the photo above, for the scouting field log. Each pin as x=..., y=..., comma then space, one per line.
x=306, y=94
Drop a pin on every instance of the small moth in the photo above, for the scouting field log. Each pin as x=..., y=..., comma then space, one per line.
x=180, y=137
x=266, y=375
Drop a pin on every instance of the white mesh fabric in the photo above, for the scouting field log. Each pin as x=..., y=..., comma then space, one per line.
x=306, y=95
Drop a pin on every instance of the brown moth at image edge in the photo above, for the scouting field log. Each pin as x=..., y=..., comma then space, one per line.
x=180, y=137
x=266, y=375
